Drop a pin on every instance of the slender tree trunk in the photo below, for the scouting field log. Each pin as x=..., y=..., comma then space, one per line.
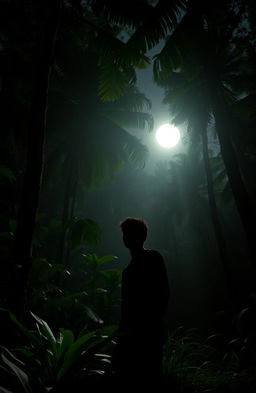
x=68, y=211
x=241, y=196
x=34, y=163
x=215, y=216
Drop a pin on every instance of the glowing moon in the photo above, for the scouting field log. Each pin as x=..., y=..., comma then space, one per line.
x=167, y=135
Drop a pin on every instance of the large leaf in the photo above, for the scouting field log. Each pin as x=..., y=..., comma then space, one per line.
x=95, y=261
x=65, y=341
x=3, y=390
x=92, y=315
x=84, y=230
x=112, y=277
x=73, y=353
x=149, y=24
x=178, y=47
x=46, y=330
x=137, y=120
x=20, y=374
x=133, y=101
x=113, y=81
x=28, y=333
x=7, y=173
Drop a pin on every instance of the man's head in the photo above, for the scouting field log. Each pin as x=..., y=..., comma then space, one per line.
x=134, y=232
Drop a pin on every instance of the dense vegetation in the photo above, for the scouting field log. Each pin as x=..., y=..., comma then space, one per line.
x=71, y=168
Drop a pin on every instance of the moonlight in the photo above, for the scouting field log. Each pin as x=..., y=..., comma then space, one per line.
x=167, y=135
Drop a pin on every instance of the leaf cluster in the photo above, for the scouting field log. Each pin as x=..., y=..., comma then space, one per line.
x=203, y=366
x=50, y=361
x=86, y=294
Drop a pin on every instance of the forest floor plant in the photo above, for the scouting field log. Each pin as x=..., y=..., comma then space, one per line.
x=48, y=362
x=213, y=365
x=39, y=356
x=44, y=361
x=86, y=294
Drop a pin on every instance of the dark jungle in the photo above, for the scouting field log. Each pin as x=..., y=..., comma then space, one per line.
x=85, y=86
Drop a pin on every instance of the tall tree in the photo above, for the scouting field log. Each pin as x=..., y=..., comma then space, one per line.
x=189, y=103
x=204, y=40
x=43, y=29
x=88, y=119
x=35, y=141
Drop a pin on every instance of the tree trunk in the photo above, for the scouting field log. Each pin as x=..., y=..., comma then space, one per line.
x=241, y=196
x=34, y=163
x=215, y=217
x=68, y=209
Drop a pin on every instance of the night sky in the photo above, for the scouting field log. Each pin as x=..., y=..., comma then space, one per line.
x=161, y=116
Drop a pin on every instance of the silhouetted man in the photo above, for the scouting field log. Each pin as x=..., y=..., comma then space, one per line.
x=144, y=298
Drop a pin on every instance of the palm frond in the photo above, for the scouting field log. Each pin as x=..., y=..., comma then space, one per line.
x=132, y=100
x=103, y=156
x=135, y=13
x=106, y=44
x=135, y=151
x=166, y=62
x=150, y=24
x=178, y=47
x=113, y=81
x=139, y=120
x=121, y=13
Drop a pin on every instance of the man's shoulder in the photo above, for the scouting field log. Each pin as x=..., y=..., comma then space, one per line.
x=154, y=256
x=154, y=253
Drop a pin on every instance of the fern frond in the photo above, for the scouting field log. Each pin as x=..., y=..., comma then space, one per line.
x=113, y=82
x=137, y=120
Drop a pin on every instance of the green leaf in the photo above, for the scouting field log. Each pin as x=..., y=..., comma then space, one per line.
x=25, y=352
x=74, y=353
x=65, y=342
x=12, y=356
x=28, y=333
x=137, y=120
x=48, y=333
x=112, y=277
x=108, y=331
x=6, y=235
x=106, y=258
x=21, y=375
x=132, y=101
x=113, y=81
x=84, y=230
x=92, y=315
x=7, y=173
x=76, y=295
x=12, y=224
x=3, y=390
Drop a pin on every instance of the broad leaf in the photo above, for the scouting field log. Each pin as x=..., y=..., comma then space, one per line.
x=7, y=173
x=73, y=353
x=28, y=333
x=21, y=375
x=3, y=390
x=84, y=230
x=48, y=333
x=65, y=341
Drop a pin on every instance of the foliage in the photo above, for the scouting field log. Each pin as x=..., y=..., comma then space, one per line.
x=148, y=25
x=10, y=232
x=7, y=173
x=214, y=364
x=102, y=286
x=49, y=361
x=93, y=100
x=204, y=78
x=84, y=231
x=86, y=294
x=221, y=184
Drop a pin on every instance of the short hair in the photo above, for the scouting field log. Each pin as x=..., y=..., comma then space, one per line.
x=134, y=227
